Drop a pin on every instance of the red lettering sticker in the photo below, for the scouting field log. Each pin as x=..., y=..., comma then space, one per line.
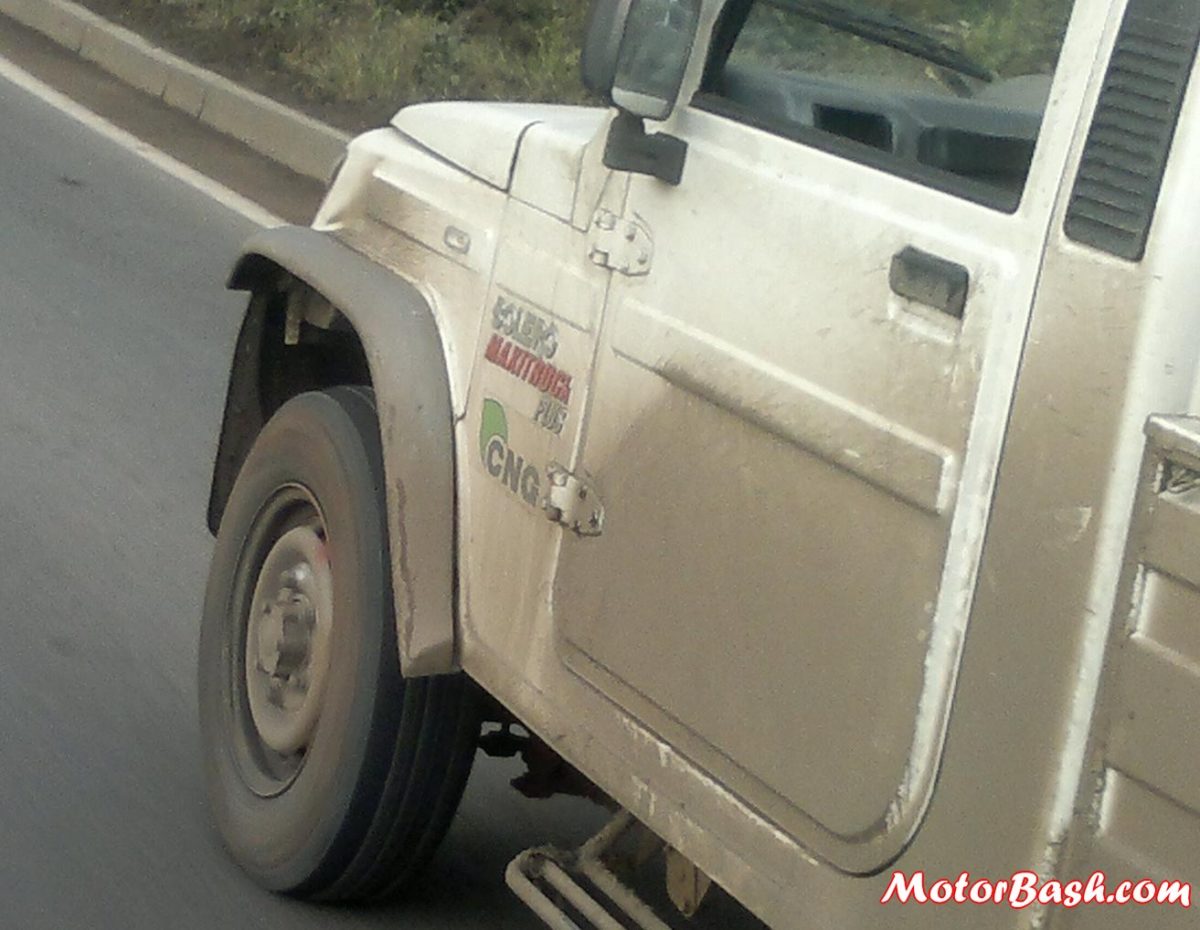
x=529, y=368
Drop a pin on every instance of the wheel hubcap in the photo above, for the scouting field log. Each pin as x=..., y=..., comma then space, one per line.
x=287, y=641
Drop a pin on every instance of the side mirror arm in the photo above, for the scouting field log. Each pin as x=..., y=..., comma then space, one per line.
x=630, y=148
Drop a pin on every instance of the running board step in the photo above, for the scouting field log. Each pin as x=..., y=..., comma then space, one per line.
x=576, y=890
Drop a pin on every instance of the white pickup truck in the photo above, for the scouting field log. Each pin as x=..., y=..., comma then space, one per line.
x=800, y=455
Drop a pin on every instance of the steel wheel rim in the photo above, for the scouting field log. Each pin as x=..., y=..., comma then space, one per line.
x=279, y=656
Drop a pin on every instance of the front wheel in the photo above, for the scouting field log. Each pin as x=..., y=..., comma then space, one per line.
x=330, y=776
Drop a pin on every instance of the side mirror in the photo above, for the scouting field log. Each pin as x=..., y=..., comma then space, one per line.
x=602, y=45
x=635, y=52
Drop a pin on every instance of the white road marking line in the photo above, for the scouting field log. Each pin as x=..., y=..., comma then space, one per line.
x=131, y=143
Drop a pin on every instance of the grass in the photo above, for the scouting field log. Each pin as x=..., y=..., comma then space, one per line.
x=1020, y=37
x=354, y=62
x=358, y=50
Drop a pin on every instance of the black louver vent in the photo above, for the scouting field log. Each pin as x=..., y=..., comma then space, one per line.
x=1126, y=152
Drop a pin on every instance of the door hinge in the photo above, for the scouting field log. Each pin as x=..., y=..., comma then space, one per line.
x=574, y=503
x=621, y=244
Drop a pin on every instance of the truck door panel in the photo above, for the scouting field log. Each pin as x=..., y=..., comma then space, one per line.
x=796, y=463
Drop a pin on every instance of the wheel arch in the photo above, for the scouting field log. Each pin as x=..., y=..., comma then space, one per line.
x=321, y=314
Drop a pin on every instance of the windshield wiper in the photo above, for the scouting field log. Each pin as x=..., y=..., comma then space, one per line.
x=886, y=29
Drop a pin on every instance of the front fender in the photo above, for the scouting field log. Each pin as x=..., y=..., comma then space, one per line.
x=407, y=363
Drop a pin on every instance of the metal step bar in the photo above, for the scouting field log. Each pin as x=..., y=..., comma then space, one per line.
x=545, y=876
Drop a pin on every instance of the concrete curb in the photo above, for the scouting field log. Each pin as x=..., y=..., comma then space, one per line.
x=305, y=145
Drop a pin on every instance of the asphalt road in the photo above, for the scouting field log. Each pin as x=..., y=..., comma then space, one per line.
x=115, y=336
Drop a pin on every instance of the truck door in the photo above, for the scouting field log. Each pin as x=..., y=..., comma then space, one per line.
x=799, y=403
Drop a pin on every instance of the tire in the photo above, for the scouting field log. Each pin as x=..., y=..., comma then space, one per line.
x=329, y=775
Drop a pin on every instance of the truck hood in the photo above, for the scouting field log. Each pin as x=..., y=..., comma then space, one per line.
x=479, y=138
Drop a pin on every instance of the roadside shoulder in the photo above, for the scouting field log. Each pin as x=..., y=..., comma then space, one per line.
x=286, y=136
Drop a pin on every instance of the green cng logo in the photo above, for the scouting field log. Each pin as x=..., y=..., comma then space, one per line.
x=510, y=469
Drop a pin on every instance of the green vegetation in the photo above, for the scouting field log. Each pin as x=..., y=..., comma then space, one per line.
x=374, y=55
x=354, y=62
x=1005, y=37
x=1020, y=37
x=1010, y=37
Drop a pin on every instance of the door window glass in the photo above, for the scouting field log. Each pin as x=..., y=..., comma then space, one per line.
x=951, y=92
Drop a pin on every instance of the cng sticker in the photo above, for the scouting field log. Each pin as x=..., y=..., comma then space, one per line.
x=502, y=463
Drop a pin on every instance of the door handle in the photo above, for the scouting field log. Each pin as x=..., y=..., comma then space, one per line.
x=930, y=280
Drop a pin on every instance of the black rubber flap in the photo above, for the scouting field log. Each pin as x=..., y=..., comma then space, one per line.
x=1125, y=157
